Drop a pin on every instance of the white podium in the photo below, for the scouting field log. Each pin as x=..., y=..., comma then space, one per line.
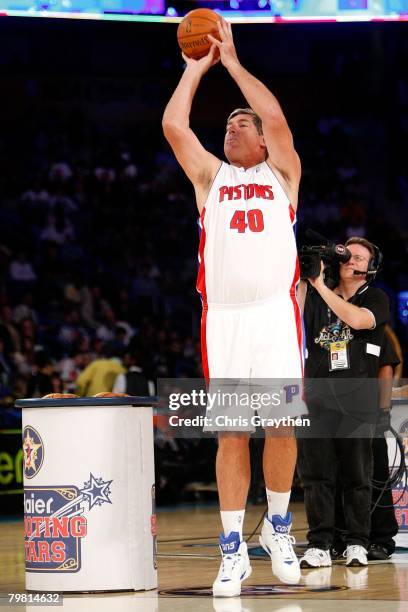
x=89, y=496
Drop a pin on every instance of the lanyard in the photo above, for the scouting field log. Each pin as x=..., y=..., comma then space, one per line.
x=329, y=317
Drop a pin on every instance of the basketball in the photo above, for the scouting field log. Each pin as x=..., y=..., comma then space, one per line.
x=60, y=396
x=110, y=394
x=193, y=29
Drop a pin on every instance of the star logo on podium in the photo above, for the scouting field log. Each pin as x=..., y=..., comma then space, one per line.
x=32, y=451
x=96, y=491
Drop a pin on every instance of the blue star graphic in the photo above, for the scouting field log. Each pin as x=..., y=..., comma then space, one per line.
x=97, y=491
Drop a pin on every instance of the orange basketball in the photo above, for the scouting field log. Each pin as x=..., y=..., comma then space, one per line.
x=110, y=394
x=193, y=29
x=60, y=396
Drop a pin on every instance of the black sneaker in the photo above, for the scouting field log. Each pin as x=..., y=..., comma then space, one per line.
x=377, y=552
x=336, y=554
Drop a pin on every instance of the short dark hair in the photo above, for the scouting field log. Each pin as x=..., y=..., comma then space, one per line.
x=364, y=242
x=248, y=111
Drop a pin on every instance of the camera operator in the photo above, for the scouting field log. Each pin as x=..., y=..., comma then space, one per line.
x=344, y=333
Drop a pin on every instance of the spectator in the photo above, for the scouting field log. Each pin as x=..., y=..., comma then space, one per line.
x=106, y=331
x=25, y=360
x=60, y=172
x=25, y=310
x=71, y=367
x=36, y=196
x=99, y=376
x=71, y=329
x=77, y=292
x=21, y=271
x=58, y=229
x=134, y=381
x=5, y=368
x=8, y=331
x=42, y=380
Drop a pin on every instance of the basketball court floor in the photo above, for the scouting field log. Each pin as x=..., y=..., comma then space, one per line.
x=188, y=560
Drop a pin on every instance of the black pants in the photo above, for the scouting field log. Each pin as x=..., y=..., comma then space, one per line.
x=320, y=461
x=384, y=525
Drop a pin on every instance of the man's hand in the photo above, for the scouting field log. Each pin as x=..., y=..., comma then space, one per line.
x=226, y=46
x=202, y=65
x=383, y=422
x=319, y=280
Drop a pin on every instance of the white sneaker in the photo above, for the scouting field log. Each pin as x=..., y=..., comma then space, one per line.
x=315, y=557
x=355, y=555
x=235, y=566
x=277, y=542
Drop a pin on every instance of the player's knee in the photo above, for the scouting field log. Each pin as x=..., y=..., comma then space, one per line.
x=233, y=441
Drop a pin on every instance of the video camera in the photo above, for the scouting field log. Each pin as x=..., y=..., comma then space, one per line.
x=331, y=254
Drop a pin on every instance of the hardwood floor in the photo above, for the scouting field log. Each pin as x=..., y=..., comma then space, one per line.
x=188, y=561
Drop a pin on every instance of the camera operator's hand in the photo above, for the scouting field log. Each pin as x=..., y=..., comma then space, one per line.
x=383, y=422
x=318, y=281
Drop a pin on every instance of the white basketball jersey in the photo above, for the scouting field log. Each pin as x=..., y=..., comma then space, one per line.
x=247, y=247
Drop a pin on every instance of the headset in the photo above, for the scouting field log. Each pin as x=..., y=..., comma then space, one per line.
x=374, y=265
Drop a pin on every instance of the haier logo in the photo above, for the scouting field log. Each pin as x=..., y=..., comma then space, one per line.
x=55, y=523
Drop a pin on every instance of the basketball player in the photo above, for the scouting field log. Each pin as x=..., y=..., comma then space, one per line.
x=247, y=279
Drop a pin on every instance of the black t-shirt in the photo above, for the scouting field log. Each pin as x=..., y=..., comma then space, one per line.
x=322, y=327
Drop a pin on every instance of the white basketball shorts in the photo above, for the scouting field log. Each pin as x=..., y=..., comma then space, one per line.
x=257, y=344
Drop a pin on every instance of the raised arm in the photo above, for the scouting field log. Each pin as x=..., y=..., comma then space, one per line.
x=199, y=165
x=282, y=156
x=355, y=316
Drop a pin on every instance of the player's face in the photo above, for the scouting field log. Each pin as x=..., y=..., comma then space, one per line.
x=360, y=257
x=242, y=140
